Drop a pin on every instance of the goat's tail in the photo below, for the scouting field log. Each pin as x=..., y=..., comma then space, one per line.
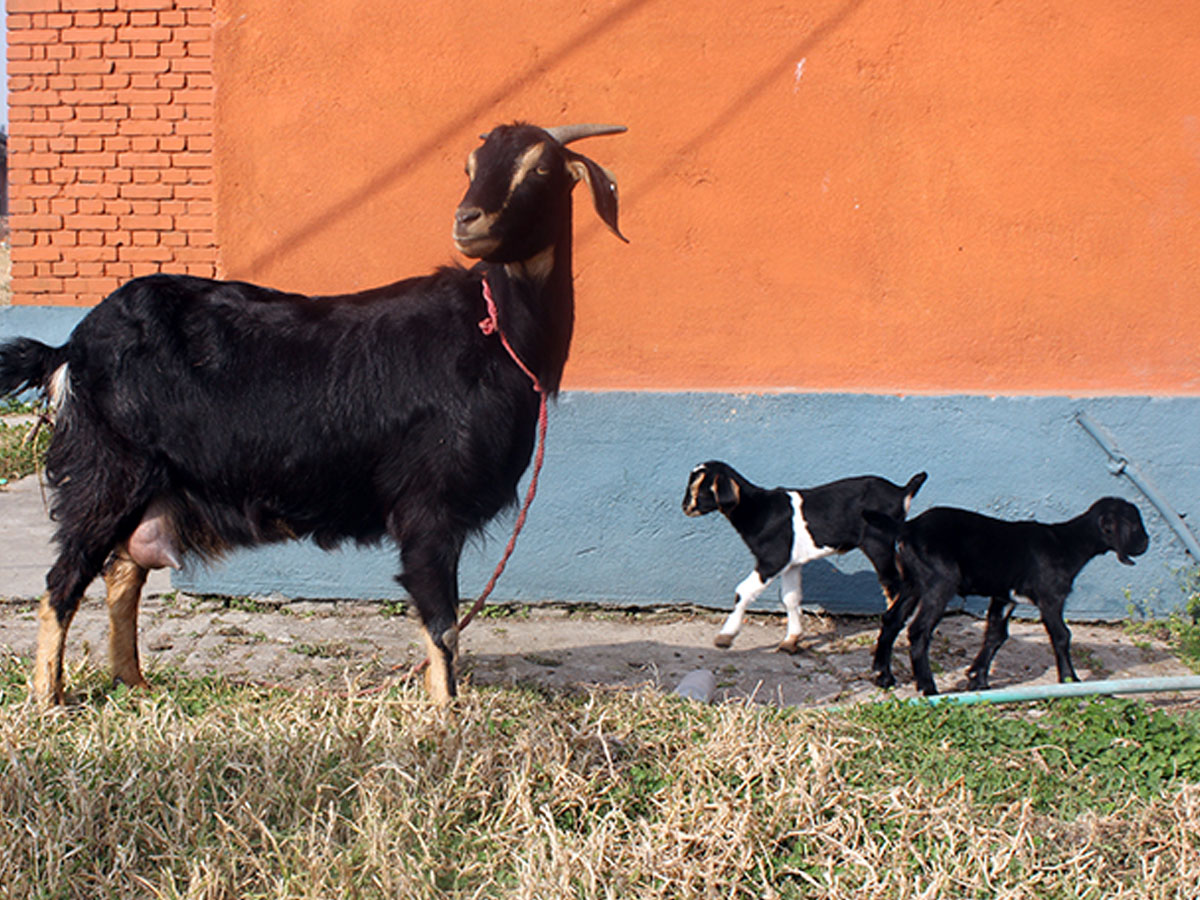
x=26, y=363
x=914, y=485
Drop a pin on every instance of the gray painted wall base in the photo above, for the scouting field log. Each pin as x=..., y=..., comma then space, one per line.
x=607, y=527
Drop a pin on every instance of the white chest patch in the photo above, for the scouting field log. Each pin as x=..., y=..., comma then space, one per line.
x=804, y=548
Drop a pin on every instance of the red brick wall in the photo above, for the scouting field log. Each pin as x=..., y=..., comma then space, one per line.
x=110, y=144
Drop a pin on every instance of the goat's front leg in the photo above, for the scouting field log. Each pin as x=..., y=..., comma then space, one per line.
x=748, y=591
x=920, y=634
x=431, y=579
x=889, y=629
x=1060, y=635
x=790, y=585
x=999, y=612
x=124, y=580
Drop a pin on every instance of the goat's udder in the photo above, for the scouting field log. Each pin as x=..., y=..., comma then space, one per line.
x=152, y=544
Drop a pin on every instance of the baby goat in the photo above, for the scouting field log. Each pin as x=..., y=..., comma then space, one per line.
x=946, y=551
x=785, y=528
x=196, y=415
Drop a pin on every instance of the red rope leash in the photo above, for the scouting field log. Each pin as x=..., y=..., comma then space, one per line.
x=491, y=325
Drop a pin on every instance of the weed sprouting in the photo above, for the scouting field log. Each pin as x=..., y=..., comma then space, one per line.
x=19, y=454
x=1181, y=628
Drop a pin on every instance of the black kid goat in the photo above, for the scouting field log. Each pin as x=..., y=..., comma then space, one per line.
x=946, y=551
x=194, y=416
x=786, y=528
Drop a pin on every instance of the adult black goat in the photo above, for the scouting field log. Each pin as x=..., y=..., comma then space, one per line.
x=194, y=416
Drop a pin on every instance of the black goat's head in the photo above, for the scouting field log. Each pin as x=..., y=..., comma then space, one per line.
x=1121, y=528
x=519, y=200
x=711, y=486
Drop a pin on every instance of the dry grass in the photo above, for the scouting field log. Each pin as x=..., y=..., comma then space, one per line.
x=209, y=791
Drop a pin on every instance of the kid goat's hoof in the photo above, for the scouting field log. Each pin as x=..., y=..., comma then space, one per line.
x=789, y=645
x=724, y=641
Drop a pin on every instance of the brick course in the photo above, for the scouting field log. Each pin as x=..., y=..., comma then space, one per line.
x=110, y=149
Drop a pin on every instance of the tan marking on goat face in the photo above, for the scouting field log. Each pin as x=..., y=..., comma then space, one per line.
x=124, y=579
x=528, y=162
x=472, y=164
x=692, y=508
x=474, y=239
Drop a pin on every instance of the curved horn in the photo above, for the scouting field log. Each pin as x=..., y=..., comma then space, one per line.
x=564, y=134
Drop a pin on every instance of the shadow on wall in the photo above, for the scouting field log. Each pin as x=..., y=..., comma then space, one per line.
x=470, y=117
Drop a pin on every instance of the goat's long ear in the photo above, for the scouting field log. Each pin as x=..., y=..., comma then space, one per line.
x=603, y=187
x=726, y=492
x=1107, y=523
x=1115, y=531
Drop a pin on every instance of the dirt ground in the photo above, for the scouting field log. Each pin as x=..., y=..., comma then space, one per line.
x=333, y=645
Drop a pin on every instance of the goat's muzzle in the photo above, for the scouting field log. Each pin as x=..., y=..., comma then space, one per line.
x=472, y=232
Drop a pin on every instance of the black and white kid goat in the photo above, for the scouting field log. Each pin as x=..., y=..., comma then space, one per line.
x=788, y=527
x=946, y=551
x=195, y=416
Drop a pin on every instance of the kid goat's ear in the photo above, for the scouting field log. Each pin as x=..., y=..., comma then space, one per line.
x=725, y=490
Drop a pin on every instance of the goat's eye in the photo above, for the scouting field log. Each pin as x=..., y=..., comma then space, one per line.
x=542, y=170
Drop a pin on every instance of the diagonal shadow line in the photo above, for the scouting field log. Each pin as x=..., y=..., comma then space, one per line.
x=467, y=119
x=638, y=193
x=734, y=109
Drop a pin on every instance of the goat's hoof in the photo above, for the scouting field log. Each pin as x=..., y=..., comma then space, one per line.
x=789, y=645
x=134, y=684
x=977, y=684
x=48, y=695
x=885, y=679
x=930, y=690
x=724, y=641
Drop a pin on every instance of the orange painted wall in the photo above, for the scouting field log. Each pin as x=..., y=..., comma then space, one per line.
x=868, y=195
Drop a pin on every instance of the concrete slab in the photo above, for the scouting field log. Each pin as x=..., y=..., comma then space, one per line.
x=27, y=548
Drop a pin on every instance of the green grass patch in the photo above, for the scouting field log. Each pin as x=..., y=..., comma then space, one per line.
x=1064, y=756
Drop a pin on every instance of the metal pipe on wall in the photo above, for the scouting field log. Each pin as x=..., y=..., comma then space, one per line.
x=1120, y=464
